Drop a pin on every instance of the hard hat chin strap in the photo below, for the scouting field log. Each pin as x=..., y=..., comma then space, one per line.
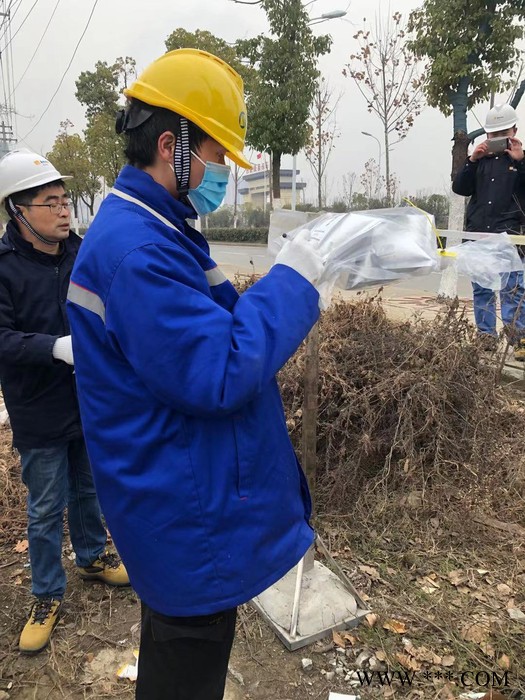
x=182, y=159
x=17, y=214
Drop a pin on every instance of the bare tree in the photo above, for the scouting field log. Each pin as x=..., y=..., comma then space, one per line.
x=371, y=180
x=324, y=132
x=348, y=188
x=390, y=79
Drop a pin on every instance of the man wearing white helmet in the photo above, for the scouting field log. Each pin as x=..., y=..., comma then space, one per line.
x=494, y=179
x=37, y=253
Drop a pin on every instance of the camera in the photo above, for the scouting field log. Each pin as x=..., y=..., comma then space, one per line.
x=498, y=145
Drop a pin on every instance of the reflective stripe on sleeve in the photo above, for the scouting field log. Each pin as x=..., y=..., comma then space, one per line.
x=87, y=300
x=215, y=277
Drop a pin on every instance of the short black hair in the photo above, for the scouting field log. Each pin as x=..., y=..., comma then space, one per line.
x=28, y=196
x=141, y=141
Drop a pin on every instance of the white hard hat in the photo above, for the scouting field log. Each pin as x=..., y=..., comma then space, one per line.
x=22, y=169
x=499, y=118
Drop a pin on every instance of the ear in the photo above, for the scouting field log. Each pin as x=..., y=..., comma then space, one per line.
x=166, y=146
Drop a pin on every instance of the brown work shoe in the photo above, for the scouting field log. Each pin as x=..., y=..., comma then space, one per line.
x=43, y=619
x=519, y=351
x=108, y=568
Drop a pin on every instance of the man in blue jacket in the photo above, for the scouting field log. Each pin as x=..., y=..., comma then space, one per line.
x=36, y=371
x=495, y=183
x=176, y=374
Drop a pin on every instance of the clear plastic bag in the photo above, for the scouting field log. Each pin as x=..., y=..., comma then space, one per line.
x=367, y=248
x=488, y=261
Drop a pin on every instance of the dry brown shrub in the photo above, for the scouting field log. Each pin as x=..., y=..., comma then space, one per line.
x=12, y=493
x=404, y=405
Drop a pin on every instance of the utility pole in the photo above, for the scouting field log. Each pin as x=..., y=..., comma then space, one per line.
x=7, y=108
x=6, y=137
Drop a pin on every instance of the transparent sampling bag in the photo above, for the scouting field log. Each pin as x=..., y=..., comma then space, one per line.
x=376, y=247
x=487, y=261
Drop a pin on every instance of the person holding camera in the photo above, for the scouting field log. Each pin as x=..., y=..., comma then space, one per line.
x=494, y=179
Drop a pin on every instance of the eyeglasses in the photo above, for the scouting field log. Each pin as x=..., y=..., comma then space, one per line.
x=55, y=208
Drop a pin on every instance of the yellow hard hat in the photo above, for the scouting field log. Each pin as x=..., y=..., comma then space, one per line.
x=202, y=88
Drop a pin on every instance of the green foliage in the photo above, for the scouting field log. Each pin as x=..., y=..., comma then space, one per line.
x=361, y=202
x=436, y=204
x=338, y=207
x=237, y=235
x=248, y=217
x=106, y=147
x=70, y=155
x=98, y=90
x=471, y=44
x=222, y=218
x=306, y=206
x=254, y=217
x=279, y=104
x=206, y=41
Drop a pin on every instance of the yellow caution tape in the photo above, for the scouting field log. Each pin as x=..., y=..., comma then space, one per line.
x=441, y=246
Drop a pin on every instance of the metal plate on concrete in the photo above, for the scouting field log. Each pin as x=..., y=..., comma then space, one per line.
x=325, y=604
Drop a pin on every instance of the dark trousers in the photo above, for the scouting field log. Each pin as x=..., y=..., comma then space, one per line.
x=184, y=658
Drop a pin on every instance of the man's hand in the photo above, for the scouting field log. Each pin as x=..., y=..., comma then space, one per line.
x=516, y=149
x=479, y=152
x=301, y=254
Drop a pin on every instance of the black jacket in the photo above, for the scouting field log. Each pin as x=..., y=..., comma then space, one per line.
x=39, y=391
x=496, y=187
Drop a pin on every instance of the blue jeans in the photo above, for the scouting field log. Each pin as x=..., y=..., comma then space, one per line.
x=512, y=307
x=55, y=477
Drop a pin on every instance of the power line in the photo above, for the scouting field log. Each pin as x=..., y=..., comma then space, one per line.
x=10, y=62
x=6, y=16
x=37, y=47
x=65, y=72
x=4, y=70
x=20, y=27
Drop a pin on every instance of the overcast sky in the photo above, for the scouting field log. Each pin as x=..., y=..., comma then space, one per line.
x=139, y=29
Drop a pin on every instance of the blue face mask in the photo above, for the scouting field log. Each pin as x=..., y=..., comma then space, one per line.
x=208, y=196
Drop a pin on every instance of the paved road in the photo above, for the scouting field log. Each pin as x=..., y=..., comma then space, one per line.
x=236, y=258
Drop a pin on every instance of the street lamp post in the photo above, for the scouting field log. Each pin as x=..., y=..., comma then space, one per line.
x=334, y=14
x=365, y=133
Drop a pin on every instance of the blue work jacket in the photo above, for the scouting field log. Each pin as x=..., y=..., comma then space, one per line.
x=182, y=415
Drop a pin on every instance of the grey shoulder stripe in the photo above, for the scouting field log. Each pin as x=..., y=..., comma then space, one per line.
x=215, y=277
x=87, y=300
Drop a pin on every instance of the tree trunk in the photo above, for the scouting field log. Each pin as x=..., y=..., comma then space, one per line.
x=459, y=152
x=319, y=162
x=310, y=409
x=448, y=285
x=276, y=175
x=448, y=288
x=236, y=190
x=387, y=172
x=387, y=149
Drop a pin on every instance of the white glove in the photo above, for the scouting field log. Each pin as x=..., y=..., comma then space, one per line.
x=302, y=255
x=63, y=350
x=326, y=292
